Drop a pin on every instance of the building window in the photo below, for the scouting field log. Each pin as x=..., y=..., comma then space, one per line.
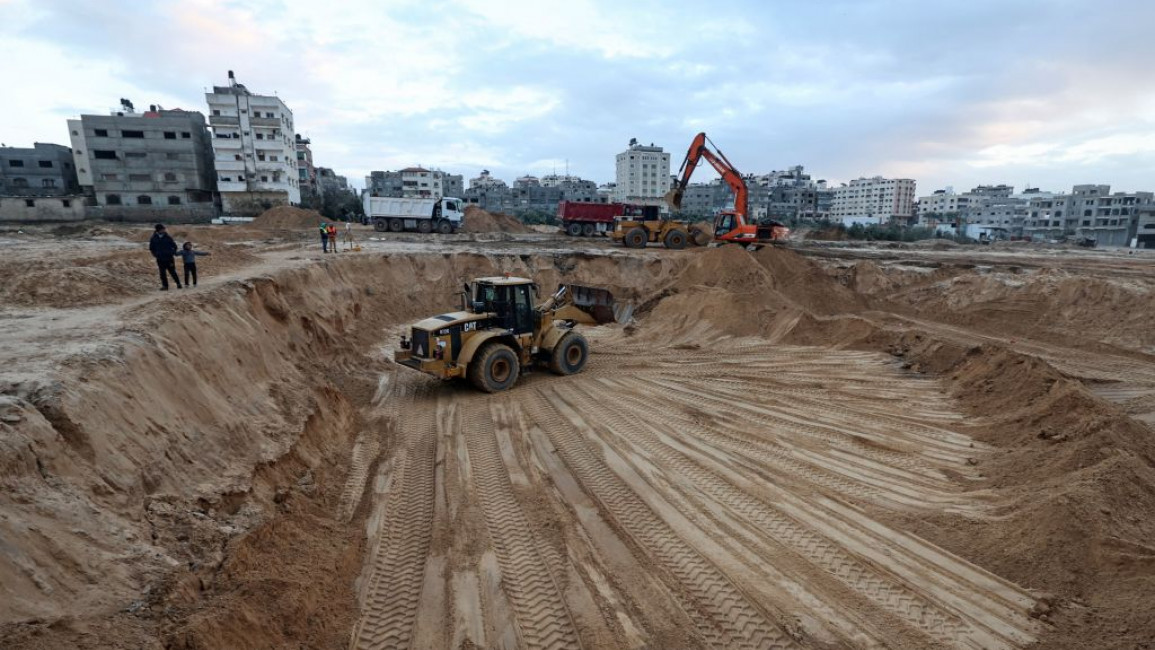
x=185, y=135
x=103, y=154
x=48, y=183
x=15, y=163
x=112, y=199
x=264, y=179
x=135, y=154
x=108, y=177
x=273, y=158
x=144, y=199
x=45, y=163
x=1086, y=213
x=100, y=133
x=260, y=156
x=66, y=203
x=170, y=135
x=132, y=134
x=217, y=112
x=29, y=203
x=170, y=177
x=174, y=200
x=139, y=178
x=172, y=156
x=19, y=182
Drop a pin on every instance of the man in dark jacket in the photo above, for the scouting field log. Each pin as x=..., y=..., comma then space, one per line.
x=163, y=248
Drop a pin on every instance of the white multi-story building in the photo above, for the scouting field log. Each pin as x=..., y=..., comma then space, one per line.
x=874, y=200
x=254, y=148
x=643, y=174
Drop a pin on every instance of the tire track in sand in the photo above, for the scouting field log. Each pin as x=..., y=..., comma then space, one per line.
x=543, y=619
x=368, y=445
x=900, y=600
x=397, y=564
x=724, y=617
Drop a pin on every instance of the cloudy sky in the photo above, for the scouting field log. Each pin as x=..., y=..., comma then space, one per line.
x=1045, y=92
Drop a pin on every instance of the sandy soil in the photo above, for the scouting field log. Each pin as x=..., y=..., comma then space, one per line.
x=849, y=448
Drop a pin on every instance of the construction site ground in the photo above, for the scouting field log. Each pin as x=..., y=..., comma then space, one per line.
x=809, y=446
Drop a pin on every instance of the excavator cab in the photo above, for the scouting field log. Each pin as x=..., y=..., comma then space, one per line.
x=724, y=223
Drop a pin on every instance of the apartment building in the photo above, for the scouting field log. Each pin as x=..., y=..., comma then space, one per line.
x=1145, y=226
x=642, y=174
x=874, y=200
x=306, y=171
x=1090, y=210
x=255, y=149
x=40, y=170
x=157, y=162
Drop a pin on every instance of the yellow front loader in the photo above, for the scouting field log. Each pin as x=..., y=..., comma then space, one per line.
x=499, y=333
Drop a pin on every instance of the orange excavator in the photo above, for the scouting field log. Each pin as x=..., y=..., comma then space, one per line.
x=730, y=226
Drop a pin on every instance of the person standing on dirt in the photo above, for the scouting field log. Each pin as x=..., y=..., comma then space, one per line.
x=163, y=248
x=189, y=256
x=325, y=237
x=333, y=237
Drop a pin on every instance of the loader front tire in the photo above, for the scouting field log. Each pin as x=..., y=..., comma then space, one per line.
x=675, y=240
x=569, y=355
x=495, y=368
x=636, y=238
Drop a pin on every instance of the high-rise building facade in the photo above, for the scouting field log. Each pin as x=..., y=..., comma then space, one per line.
x=874, y=200
x=256, y=157
x=643, y=174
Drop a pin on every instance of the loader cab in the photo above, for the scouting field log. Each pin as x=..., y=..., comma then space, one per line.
x=509, y=299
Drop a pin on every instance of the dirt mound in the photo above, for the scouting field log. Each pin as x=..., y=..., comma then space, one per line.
x=83, y=281
x=478, y=220
x=288, y=217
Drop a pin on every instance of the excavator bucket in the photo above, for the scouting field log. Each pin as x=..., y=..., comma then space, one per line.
x=599, y=304
x=673, y=198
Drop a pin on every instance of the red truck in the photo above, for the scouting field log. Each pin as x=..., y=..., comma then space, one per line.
x=588, y=219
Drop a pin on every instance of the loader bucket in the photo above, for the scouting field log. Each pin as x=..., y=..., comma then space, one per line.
x=599, y=304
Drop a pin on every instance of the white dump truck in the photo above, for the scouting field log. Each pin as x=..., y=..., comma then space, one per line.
x=422, y=215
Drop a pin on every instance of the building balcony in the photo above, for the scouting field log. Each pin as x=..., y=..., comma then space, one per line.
x=224, y=120
x=227, y=143
x=265, y=121
x=232, y=186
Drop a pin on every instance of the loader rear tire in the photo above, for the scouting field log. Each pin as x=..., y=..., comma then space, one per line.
x=569, y=355
x=495, y=368
x=636, y=238
x=675, y=240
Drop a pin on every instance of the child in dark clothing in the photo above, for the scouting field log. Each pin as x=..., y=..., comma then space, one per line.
x=190, y=263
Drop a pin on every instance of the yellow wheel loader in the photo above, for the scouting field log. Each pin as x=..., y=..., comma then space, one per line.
x=499, y=333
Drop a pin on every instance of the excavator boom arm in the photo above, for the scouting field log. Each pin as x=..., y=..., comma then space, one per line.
x=699, y=150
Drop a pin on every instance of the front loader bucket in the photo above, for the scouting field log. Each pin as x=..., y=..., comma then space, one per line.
x=599, y=304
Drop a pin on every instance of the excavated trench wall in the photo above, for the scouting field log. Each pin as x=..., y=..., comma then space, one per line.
x=170, y=476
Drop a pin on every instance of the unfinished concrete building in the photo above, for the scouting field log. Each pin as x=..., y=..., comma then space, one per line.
x=150, y=165
x=40, y=170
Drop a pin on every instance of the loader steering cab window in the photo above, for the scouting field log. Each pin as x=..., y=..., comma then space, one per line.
x=522, y=309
